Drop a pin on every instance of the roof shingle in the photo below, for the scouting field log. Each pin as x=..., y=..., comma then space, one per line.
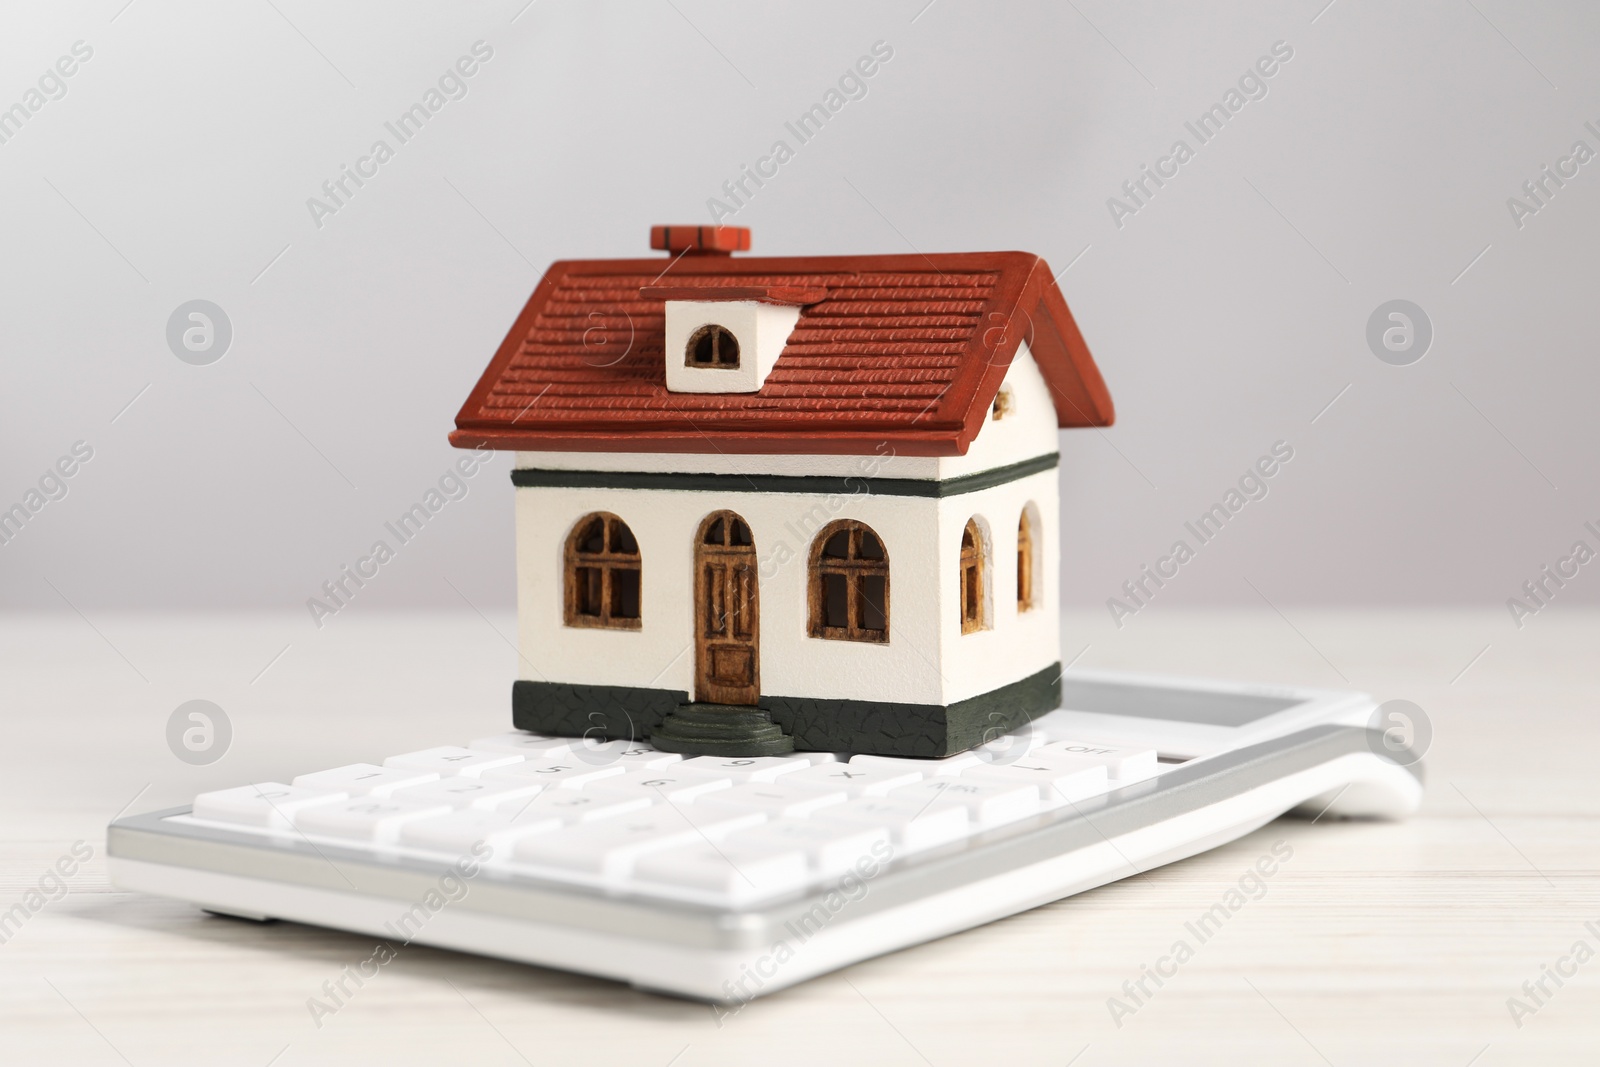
x=908, y=350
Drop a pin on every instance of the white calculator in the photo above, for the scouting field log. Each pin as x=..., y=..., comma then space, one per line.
x=724, y=879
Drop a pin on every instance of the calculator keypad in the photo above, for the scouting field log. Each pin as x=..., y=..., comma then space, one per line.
x=625, y=817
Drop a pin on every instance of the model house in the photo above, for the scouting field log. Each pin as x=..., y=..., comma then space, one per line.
x=797, y=502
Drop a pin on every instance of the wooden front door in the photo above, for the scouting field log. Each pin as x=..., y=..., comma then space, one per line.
x=727, y=649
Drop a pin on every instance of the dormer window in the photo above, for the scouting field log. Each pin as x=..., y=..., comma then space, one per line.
x=730, y=334
x=712, y=346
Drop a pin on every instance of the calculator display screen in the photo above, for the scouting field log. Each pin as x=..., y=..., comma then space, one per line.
x=1199, y=706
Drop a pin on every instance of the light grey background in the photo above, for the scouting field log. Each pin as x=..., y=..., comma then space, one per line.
x=1226, y=314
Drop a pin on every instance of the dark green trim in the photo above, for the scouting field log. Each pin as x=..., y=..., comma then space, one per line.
x=610, y=711
x=884, y=728
x=821, y=485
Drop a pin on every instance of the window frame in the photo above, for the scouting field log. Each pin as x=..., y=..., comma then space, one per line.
x=609, y=563
x=972, y=604
x=855, y=570
x=1027, y=549
x=715, y=331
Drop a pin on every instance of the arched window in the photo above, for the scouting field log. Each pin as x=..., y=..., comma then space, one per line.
x=712, y=346
x=1026, y=601
x=602, y=574
x=972, y=578
x=849, y=591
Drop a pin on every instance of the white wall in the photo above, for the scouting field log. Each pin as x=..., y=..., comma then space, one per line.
x=660, y=653
x=1030, y=429
x=926, y=659
x=1016, y=644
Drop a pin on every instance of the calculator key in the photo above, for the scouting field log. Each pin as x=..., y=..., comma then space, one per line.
x=532, y=746
x=1067, y=726
x=987, y=803
x=777, y=800
x=458, y=832
x=857, y=779
x=1056, y=725
x=751, y=768
x=830, y=847
x=571, y=806
x=667, y=786
x=365, y=779
x=460, y=791
x=1009, y=747
x=913, y=826
x=1058, y=782
x=736, y=876
x=1126, y=762
x=611, y=848
x=364, y=818
x=564, y=773
x=629, y=754
x=271, y=804
x=928, y=768
x=453, y=759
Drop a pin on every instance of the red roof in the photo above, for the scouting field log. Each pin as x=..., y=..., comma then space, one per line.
x=908, y=350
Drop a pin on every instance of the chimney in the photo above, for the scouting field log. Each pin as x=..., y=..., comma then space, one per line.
x=700, y=240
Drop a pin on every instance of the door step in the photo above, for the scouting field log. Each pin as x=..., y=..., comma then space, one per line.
x=721, y=730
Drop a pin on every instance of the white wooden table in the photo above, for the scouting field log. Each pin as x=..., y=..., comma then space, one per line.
x=1374, y=944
